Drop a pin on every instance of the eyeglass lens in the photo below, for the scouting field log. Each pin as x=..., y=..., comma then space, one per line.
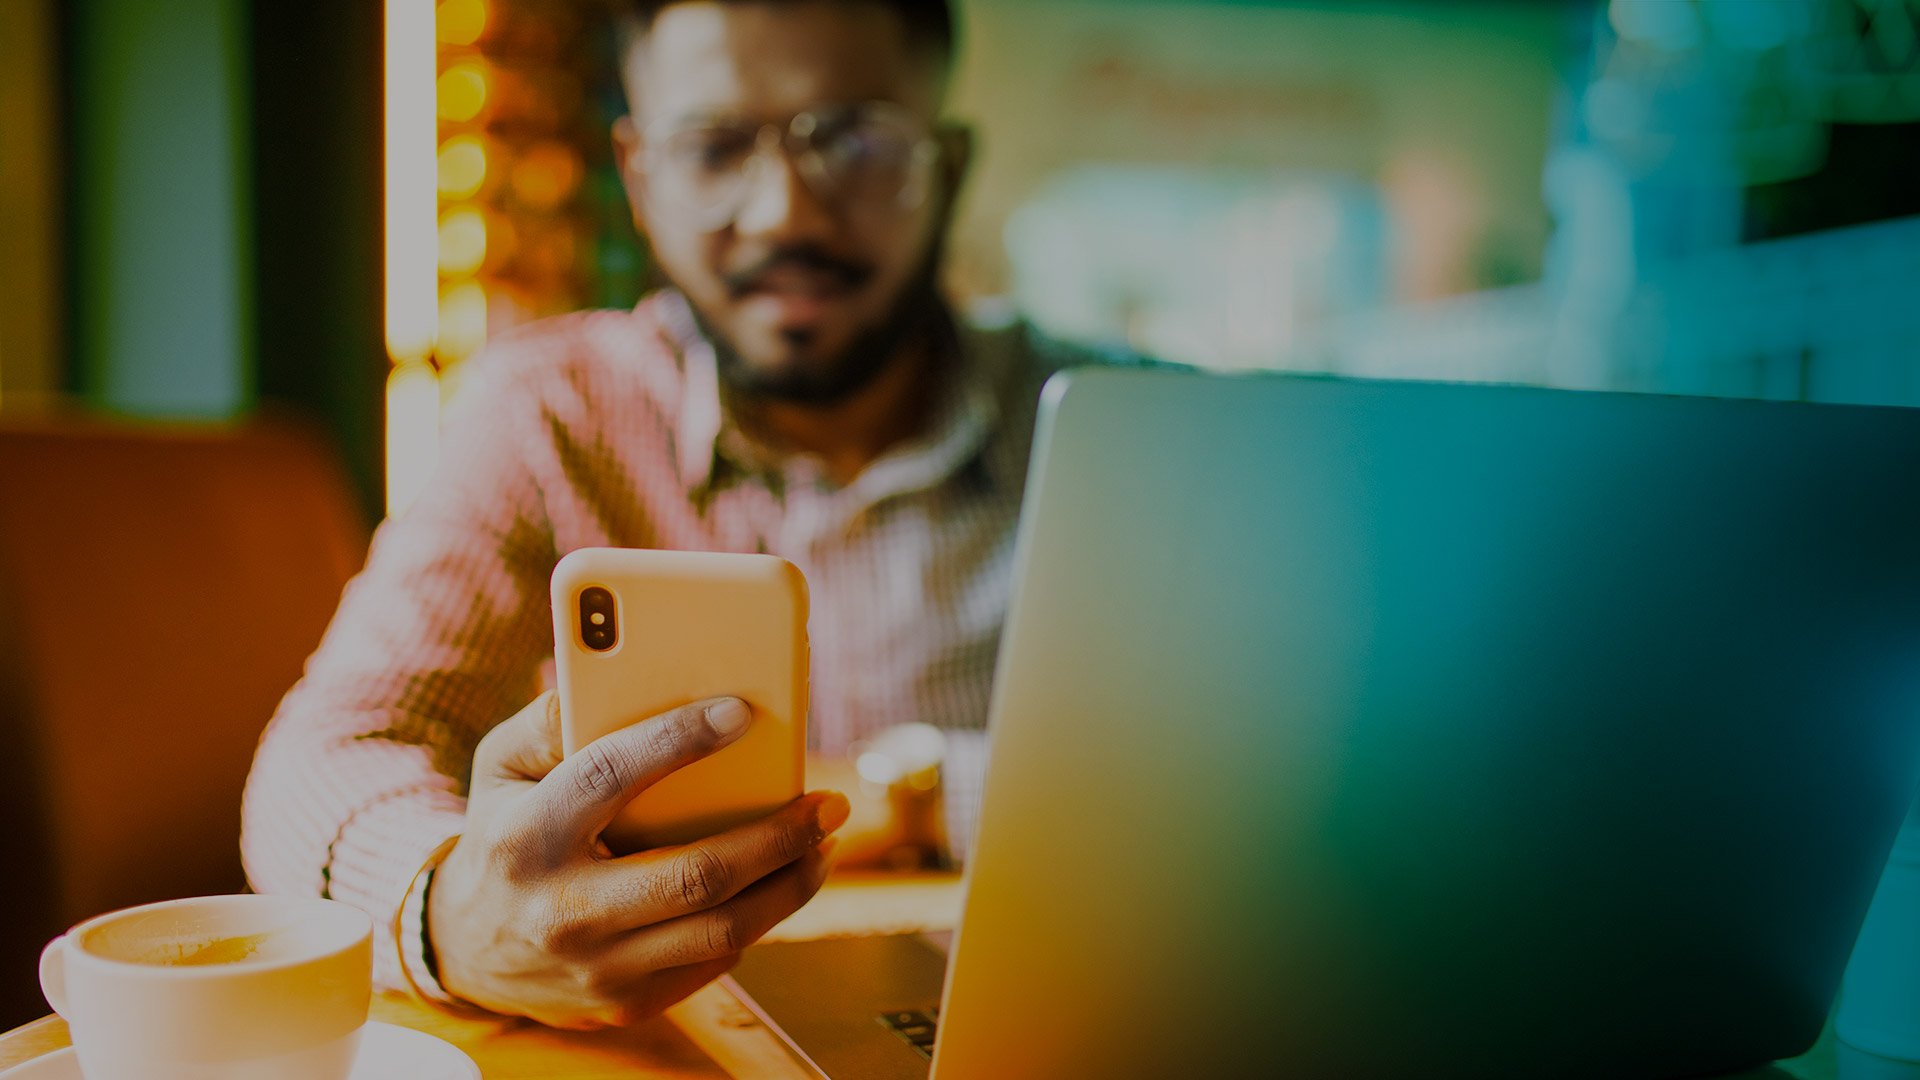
x=866, y=154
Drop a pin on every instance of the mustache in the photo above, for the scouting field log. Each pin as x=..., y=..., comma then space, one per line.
x=848, y=274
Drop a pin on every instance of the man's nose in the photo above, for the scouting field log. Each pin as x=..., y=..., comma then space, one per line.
x=781, y=205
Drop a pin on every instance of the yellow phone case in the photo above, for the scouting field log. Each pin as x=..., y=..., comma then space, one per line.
x=689, y=626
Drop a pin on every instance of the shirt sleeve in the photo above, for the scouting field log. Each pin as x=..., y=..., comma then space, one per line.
x=364, y=769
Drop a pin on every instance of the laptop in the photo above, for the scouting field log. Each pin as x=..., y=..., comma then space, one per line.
x=1354, y=729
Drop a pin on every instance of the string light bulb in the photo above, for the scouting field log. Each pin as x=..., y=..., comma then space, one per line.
x=462, y=91
x=463, y=242
x=461, y=22
x=463, y=167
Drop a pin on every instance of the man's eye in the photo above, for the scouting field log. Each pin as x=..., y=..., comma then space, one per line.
x=714, y=151
x=863, y=145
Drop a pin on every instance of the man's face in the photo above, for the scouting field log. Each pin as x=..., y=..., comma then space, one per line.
x=806, y=289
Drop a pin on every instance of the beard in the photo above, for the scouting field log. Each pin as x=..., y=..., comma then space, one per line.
x=823, y=382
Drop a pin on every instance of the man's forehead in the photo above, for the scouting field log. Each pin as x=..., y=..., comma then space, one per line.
x=768, y=60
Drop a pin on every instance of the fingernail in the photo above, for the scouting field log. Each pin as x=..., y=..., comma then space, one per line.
x=728, y=717
x=834, y=810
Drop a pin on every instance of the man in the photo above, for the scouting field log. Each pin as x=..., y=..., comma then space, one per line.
x=800, y=391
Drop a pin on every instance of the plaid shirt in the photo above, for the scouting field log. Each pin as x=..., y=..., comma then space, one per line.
x=609, y=429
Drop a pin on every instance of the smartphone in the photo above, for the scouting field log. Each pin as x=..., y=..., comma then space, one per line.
x=640, y=632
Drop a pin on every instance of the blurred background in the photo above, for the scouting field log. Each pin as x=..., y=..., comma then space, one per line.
x=247, y=245
x=1711, y=196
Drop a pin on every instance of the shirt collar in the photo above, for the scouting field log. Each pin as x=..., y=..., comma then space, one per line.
x=701, y=419
x=708, y=442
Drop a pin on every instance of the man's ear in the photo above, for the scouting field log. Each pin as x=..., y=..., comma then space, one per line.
x=627, y=159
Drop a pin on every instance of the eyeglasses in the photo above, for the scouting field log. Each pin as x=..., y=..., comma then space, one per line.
x=872, y=154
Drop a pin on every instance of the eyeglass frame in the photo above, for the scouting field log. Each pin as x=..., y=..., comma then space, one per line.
x=782, y=137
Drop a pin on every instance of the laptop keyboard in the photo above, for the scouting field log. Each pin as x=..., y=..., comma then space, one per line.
x=915, y=1026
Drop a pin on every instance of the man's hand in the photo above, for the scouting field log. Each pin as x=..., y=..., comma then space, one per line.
x=531, y=915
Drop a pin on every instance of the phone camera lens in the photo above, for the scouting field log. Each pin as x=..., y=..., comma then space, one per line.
x=597, y=625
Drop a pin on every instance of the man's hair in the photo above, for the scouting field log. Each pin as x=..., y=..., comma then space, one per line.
x=929, y=22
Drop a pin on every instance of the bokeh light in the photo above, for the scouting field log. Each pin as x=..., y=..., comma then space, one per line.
x=463, y=91
x=463, y=242
x=463, y=167
x=461, y=22
x=548, y=252
x=463, y=320
x=547, y=175
x=413, y=431
x=1743, y=24
x=1661, y=23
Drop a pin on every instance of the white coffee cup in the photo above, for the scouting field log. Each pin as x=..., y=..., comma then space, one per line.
x=215, y=988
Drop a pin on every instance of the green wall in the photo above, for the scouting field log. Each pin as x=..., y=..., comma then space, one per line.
x=224, y=229
x=161, y=278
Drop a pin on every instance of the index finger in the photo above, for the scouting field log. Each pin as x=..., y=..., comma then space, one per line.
x=580, y=797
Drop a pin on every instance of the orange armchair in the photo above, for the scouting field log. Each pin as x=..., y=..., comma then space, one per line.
x=160, y=588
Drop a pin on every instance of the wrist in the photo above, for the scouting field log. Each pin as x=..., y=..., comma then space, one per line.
x=413, y=932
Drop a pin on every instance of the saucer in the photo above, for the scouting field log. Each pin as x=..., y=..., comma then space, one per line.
x=386, y=1053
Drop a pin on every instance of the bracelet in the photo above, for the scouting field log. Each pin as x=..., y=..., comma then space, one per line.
x=441, y=1001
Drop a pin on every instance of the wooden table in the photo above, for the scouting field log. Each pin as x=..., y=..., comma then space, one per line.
x=712, y=1036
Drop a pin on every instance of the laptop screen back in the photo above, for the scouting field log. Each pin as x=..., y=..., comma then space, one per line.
x=1370, y=729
